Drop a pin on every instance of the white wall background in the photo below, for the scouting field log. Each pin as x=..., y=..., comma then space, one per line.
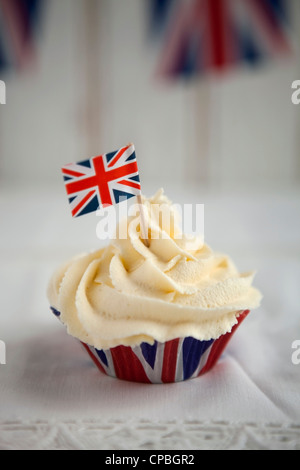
x=93, y=90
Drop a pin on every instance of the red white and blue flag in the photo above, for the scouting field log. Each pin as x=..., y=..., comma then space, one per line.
x=102, y=181
x=213, y=35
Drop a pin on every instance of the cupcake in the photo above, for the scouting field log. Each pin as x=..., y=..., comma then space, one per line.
x=157, y=314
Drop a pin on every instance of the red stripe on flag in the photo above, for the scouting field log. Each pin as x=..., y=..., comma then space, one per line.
x=101, y=180
x=169, y=363
x=82, y=202
x=131, y=184
x=71, y=172
x=216, y=15
x=118, y=156
x=124, y=170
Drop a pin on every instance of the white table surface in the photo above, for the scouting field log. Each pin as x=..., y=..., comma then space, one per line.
x=53, y=397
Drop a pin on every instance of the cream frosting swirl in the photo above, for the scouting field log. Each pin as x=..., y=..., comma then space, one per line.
x=127, y=293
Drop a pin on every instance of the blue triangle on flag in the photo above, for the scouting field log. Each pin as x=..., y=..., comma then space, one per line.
x=110, y=156
x=92, y=206
x=4, y=63
x=33, y=8
x=86, y=163
x=250, y=51
x=159, y=14
x=121, y=195
x=131, y=157
x=135, y=178
x=188, y=57
x=188, y=67
x=71, y=199
x=280, y=9
x=67, y=178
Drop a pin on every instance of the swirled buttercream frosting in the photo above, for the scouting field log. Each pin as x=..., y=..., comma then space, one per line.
x=127, y=293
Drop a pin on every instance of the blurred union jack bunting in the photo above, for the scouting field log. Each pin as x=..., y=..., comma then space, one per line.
x=102, y=181
x=19, y=23
x=214, y=35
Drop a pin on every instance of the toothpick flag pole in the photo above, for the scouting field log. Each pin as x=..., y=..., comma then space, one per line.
x=143, y=225
x=104, y=181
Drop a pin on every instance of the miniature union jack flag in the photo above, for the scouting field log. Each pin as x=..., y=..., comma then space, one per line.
x=102, y=181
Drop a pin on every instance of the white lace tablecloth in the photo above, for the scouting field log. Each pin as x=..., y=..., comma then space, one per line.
x=53, y=397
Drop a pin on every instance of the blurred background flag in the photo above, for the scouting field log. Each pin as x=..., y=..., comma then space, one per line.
x=199, y=36
x=160, y=13
x=18, y=21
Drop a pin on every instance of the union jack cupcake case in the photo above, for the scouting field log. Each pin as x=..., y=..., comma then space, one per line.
x=174, y=361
